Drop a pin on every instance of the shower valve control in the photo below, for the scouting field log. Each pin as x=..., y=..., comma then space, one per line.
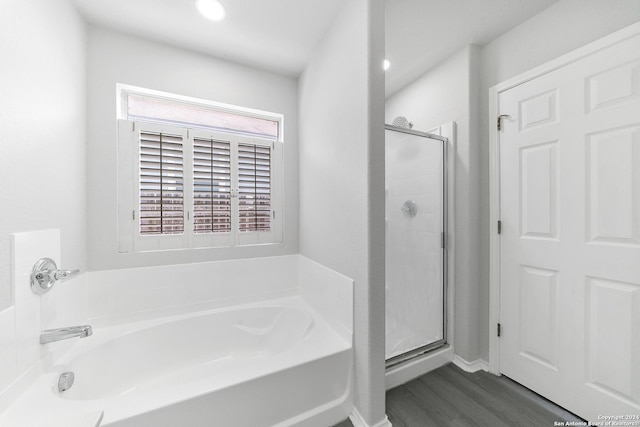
x=45, y=274
x=409, y=208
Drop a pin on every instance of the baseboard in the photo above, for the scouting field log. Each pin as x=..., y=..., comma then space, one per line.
x=358, y=421
x=475, y=366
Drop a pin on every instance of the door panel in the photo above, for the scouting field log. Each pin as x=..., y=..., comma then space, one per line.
x=538, y=110
x=613, y=161
x=613, y=306
x=539, y=190
x=538, y=311
x=570, y=242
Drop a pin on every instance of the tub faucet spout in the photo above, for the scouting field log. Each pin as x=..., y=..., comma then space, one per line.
x=51, y=335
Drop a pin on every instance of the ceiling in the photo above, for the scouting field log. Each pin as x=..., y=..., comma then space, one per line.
x=276, y=35
x=281, y=35
x=422, y=33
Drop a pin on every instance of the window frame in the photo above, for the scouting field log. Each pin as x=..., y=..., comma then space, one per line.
x=123, y=91
x=129, y=237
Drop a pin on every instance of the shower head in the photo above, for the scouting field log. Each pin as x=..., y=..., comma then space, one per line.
x=402, y=122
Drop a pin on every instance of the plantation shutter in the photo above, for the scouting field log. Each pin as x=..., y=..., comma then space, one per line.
x=161, y=174
x=182, y=188
x=211, y=186
x=254, y=187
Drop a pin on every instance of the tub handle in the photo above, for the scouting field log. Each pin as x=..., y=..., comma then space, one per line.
x=45, y=274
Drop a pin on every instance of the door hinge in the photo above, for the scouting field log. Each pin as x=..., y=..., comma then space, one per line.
x=133, y=214
x=442, y=241
x=499, y=227
x=273, y=214
x=500, y=117
x=499, y=331
x=133, y=126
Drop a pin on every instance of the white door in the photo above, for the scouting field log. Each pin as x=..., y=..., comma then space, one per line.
x=570, y=242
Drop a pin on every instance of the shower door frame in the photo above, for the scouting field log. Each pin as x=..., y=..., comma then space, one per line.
x=445, y=239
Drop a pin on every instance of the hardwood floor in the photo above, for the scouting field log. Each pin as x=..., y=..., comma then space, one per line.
x=451, y=397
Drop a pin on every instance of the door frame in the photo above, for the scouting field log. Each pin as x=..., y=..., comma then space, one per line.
x=494, y=170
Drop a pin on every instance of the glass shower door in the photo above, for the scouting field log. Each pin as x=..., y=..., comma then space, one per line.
x=415, y=261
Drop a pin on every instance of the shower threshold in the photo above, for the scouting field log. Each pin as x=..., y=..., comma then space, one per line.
x=411, y=355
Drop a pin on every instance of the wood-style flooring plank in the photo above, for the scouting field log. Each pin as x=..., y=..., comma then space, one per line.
x=405, y=410
x=466, y=401
x=451, y=397
x=441, y=408
x=511, y=408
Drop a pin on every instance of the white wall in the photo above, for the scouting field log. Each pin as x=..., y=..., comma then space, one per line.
x=342, y=179
x=444, y=94
x=42, y=121
x=117, y=58
x=563, y=27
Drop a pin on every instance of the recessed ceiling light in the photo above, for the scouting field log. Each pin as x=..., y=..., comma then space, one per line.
x=211, y=9
x=386, y=64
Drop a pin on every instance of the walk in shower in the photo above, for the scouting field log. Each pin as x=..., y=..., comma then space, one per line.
x=416, y=223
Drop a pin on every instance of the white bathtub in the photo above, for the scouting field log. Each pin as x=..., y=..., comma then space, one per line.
x=271, y=363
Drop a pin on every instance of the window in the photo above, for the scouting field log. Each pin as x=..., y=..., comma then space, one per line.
x=196, y=180
x=209, y=116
